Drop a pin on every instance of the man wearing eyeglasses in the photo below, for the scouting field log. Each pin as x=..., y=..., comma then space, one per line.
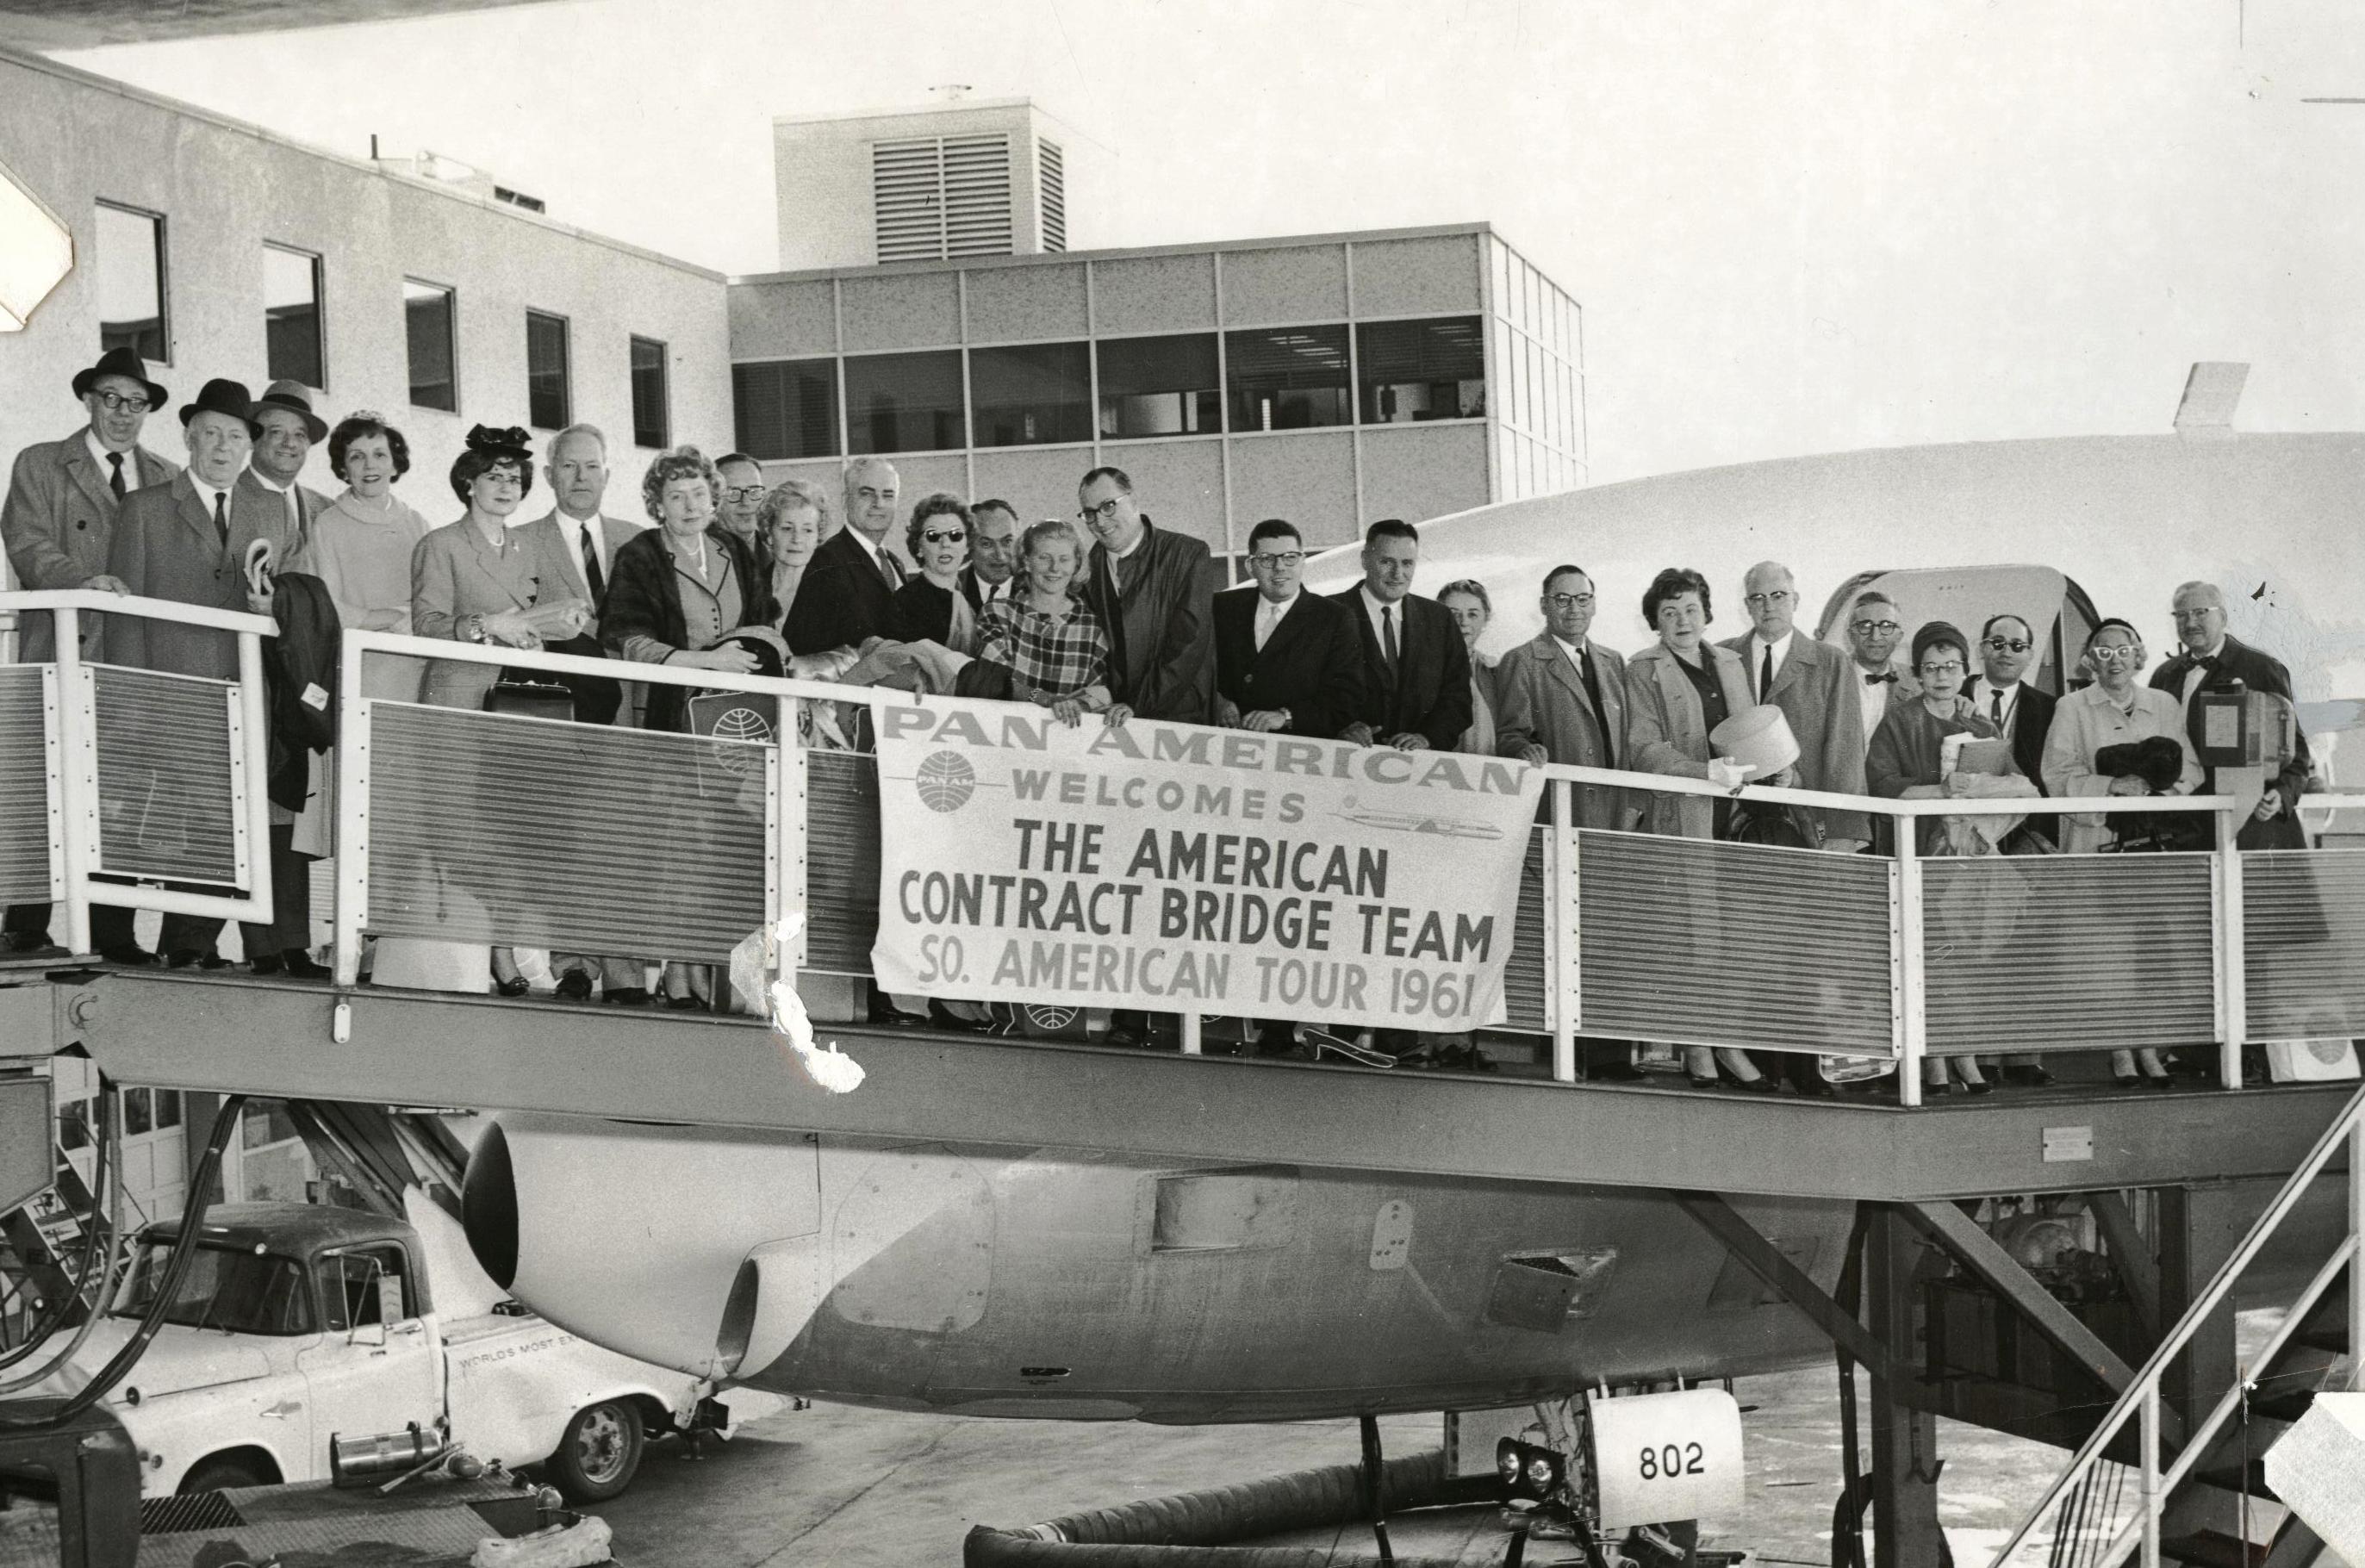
x=740, y=479
x=848, y=595
x=1564, y=699
x=1286, y=661
x=2211, y=659
x=58, y=522
x=1872, y=629
x=2021, y=714
x=1153, y=589
x=1811, y=681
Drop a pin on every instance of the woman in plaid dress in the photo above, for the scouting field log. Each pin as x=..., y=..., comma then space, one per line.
x=1054, y=646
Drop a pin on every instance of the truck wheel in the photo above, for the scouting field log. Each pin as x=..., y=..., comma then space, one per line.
x=223, y=1472
x=599, y=1454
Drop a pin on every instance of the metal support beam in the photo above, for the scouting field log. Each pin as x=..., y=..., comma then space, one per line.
x=1905, y=1462
x=1761, y=1258
x=1960, y=1235
x=2132, y=1257
x=2199, y=1229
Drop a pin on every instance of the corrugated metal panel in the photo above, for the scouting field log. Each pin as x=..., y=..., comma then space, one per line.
x=2303, y=943
x=163, y=777
x=2068, y=952
x=1523, y=973
x=24, y=788
x=581, y=837
x=841, y=861
x=1694, y=942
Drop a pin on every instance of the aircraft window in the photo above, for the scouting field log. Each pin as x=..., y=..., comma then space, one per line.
x=291, y=315
x=429, y=324
x=132, y=309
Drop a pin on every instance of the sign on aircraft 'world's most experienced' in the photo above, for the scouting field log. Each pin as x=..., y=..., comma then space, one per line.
x=1173, y=867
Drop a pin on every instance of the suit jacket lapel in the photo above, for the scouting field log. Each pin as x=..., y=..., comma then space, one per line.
x=194, y=513
x=86, y=474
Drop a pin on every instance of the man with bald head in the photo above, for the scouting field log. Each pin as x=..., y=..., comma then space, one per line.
x=1811, y=682
x=2211, y=659
x=849, y=592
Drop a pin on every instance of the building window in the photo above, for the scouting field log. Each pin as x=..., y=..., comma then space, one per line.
x=1051, y=165
x=1421, y=370
x=429, y=322
x=1030, y=394
x=786, y=409
x=651, y=420
x=1160, y=385
x=904, y=402
x=131, y=284
x=1287, y=377
x=549, y=397
x=291, y=315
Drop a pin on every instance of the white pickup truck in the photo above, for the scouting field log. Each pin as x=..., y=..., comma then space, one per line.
x=295, y=1323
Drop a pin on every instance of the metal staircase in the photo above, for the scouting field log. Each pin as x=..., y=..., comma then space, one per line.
x=2205, y=1502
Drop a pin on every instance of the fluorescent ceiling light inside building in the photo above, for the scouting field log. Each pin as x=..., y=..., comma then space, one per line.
x=36, y=252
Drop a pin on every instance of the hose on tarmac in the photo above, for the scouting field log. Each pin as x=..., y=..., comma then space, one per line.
x=1195, y=1530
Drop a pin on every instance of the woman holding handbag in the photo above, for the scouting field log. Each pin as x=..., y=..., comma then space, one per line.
x=478, y=581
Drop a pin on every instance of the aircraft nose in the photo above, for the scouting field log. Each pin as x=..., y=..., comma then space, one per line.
x=488, y=1207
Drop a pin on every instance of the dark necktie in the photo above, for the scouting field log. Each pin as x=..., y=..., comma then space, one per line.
x=1388, y=640
x=1600, y=714
x=1995, y=705
x=1766, y=677
x=221, y=516
x=592, y=575
x=891, y=567
x=114, y=480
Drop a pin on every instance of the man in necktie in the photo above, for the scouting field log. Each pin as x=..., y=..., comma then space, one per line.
x=992, y=555
x=270, y=501
x=736, y=502
x=58, y=523
x=1415, y=666
x=848, y=593
x=1818, y=688
x=1873, y=628
x=1564, y=699
x=181, y=541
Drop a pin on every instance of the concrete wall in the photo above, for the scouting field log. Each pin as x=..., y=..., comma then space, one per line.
x=225, y=189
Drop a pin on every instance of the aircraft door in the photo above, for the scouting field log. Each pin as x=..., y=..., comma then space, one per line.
x=373, y=1368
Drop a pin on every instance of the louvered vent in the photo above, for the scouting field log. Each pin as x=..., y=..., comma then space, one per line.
x=907, y=195
x=27, y=860
x=1052, y=167
x=937, y=198
x=977, y=195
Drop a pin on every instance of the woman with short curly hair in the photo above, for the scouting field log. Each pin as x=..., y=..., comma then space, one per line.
x=931, y=607
x=361, y=545
x=688, y=592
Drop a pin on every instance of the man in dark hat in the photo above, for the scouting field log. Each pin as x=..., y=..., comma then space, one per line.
x=268, y=502
x=59, y=519
x=184, y=541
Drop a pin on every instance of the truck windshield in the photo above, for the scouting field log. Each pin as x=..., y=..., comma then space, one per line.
x=238, y=1290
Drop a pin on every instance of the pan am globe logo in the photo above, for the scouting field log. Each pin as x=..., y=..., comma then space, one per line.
x=944, y=781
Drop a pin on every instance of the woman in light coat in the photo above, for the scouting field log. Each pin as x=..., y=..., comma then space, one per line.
x=1677, y=690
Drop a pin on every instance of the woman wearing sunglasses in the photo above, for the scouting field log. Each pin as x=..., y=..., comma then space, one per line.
x=930, y=607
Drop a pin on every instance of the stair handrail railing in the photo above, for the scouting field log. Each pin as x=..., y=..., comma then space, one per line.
x=2141, y=1399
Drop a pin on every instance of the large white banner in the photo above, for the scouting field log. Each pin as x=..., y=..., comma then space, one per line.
x=1176, y=868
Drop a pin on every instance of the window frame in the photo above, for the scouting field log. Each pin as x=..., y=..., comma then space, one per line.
x=850, y=419
x=1101, y=393
x=450, y=294
x=159, y=223
x=319, y=268
x=838, y=433
x=1087, y=404
x=566, y=368
x=1365, y=416
x=633, y=341
x=1229, y=366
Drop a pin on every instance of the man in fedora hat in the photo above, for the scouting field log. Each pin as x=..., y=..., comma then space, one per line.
x=59, y=519
x=268, y=502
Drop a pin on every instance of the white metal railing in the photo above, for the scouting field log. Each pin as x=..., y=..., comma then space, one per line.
x=74, y=766
x=2141, y=1400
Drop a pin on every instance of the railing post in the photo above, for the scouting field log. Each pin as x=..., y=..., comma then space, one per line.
x=255, y=737
x=2149, y=1441
x=2357, y=1257
x=77, y=779
x=2235, y=999
x=1905, y=933
x=796, y=798
x=351, y=846
x=1563, y=950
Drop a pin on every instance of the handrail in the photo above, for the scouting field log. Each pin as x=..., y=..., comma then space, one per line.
x=357, y=641
x=2142, y=1395
x=2048, y=805
x=107, y=603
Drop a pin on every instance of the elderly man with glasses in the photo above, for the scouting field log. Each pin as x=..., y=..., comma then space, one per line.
x=1152, y=588
x=1873, y=630
x=1564, y=699
x=1811, y=682
x=2209, y=659
x=56, y=523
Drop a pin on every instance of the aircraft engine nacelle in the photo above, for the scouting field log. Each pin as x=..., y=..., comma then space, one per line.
x=666, y=1244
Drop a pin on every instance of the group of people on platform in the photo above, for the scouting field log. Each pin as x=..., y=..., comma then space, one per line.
x=1120, y=618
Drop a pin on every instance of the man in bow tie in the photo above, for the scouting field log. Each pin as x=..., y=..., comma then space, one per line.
x=1874, y=627
x=2209, y=659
